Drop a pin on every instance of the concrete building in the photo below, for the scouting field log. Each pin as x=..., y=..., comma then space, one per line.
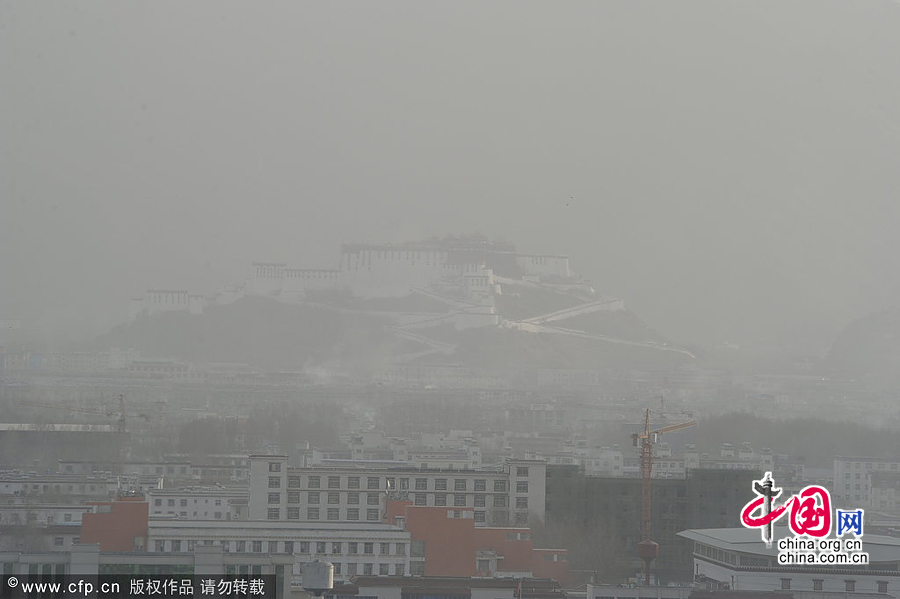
x=199, y=503
x=738, y=560
x=20, y=486
x=119, y=525
x=509, y=493
x=446, y=542
x=353, y=548
x=441, y=587
x=611, y=507
x=853, y=481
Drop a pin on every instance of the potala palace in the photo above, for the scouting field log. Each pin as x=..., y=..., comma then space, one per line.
x=465, y=274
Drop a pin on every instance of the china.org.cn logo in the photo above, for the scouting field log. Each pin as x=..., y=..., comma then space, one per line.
x=810, y=519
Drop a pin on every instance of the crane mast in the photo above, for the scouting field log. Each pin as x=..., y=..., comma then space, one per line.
x=648, y=549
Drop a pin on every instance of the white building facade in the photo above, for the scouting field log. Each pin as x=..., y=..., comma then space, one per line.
x=354, y=548
x=511, y=493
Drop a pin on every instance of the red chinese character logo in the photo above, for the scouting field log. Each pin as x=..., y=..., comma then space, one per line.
x=811, y=512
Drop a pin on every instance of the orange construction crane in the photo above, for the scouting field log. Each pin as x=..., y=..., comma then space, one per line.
x=648, y=550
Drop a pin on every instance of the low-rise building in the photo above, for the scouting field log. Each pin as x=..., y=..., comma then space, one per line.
x=738, y=560
x=354, y=548
x=199, y=503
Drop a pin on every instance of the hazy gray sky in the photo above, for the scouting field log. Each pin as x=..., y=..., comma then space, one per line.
x=734, y=164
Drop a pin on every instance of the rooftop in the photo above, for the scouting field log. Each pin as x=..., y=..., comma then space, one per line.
x=745, y=540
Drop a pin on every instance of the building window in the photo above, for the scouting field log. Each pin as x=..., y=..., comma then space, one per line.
x=337, y=568
x=257, y=546
x=312, y=513
x=522, y=471
x=304, y=547
x=499, y=486
x=351, y=569
x=398, y=569
x=293, y=513
x=353, y=498
x=817, y=584
x=390, y=483
x=459, y=484
x=289, y=547
x=321, y=547
x=849, y=585
x=421, y=484
x=315, y=482
x=479, y=501
x=241, y=546
x=160, y=546
x=293, y=497
x=371, y=498
x=404, y=484
x=440, y=484
x=333, y=513
x=274, y=466
x=157, y=502
x=373, y=482
x=521, y=502
x=293, y=482
x=882, y=586
x=400, y=548
x=369, y=548
x=459, y=501
x=499, y=501
x=480, y=484
x=372, y=515
x=384, y=548
x=383, y=569
x=353, y=548
x=420, y=499
x=312, y=497
x=334, y=482
x=522, y=486
x=353, y=514
x=353, y=482
x=417, y=568
x=274, y=482
x=274, y=497
x=171, y=502
x=334, y=498
x=273, y=513
x=183, y=503
x=440, y=499
x=785, y=584
x=336, y=548
x=367, y=569
x=417, y=549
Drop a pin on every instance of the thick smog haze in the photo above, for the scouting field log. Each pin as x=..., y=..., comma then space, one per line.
x=728, y=169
